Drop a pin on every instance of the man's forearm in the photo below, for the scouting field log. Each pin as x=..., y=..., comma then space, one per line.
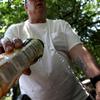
x=88, y=65
x=83, y=58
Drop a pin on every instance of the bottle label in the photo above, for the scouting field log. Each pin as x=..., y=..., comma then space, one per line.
x=14, y=64
x=8, y=71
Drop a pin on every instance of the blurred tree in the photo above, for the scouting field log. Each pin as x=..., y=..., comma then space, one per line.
x=11, y=12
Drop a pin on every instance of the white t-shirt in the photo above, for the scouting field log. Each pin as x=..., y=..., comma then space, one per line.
x=51, y=78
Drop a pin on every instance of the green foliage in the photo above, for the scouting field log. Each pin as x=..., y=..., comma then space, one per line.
x=11, y=12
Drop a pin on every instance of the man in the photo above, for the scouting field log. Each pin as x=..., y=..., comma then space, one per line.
x=51, y=77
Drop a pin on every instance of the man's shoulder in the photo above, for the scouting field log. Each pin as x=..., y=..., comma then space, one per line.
x=18, y=24
x=57, y=21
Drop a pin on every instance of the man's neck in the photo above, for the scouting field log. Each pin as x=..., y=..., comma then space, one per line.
x=34, y=21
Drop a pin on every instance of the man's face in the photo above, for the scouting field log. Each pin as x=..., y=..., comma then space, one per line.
x=35, y=8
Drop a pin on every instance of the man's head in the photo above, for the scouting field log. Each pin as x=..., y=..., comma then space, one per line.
x=35, y=9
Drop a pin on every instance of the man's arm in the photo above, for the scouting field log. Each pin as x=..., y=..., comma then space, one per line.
x=7, y=47
x=82, y=57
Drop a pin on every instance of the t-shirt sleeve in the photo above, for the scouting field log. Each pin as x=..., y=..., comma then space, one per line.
x=70, y=37
x=11, y=32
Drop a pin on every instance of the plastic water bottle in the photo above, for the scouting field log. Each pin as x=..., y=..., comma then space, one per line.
x=12, y=65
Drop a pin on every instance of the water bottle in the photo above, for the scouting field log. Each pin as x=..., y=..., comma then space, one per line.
x=12, y=65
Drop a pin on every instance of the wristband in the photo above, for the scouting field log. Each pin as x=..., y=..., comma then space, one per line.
x=95, y=79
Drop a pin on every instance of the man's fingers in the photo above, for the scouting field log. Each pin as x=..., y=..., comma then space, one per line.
x=97, y=97
x=27, y=71
x=98, y=90
x=17, y=43
x=7, y=45
x=1, y=48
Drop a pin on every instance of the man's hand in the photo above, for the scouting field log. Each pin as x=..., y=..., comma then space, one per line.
x=8, y=47
x=98, y=90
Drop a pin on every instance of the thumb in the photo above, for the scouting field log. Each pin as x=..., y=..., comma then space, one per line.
x=1, y=48
x=7, y=45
